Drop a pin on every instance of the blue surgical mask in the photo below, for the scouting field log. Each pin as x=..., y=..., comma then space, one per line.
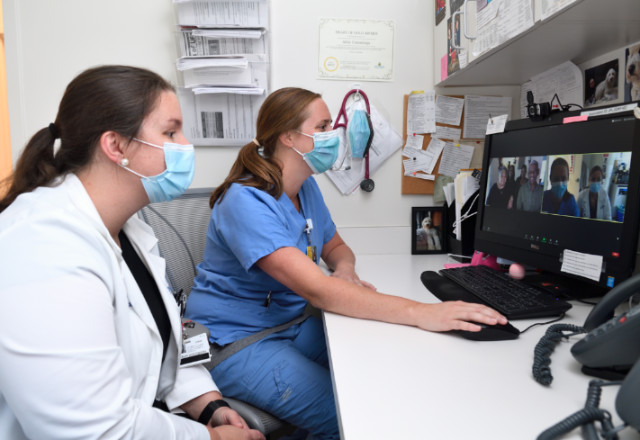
x=172, y=182
x=558, y=189
x=595, y=187
x=360, y=133
x=326, y=146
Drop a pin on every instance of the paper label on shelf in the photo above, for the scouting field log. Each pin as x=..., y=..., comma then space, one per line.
x=610, y=110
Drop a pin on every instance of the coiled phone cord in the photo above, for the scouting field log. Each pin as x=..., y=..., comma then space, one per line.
x=544, y=348
x=586, y=417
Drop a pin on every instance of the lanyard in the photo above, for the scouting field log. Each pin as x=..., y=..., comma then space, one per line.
x=308, y=228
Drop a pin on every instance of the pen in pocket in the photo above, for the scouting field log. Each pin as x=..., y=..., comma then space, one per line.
x=268, y=300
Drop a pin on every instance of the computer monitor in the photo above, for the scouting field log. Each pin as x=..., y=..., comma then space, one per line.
x=575, y=214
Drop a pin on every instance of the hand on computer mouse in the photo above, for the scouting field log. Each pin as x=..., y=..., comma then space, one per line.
x=457, y=315
x=492, y=333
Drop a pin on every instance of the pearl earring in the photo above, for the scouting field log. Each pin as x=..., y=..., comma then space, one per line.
x=124, y=162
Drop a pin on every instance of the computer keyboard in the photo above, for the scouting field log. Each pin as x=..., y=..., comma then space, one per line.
x=513, y=298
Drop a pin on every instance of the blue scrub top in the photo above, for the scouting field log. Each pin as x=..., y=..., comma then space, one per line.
x=568, y=205
x=230, y=291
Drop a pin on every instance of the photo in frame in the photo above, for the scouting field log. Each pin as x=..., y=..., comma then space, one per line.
x=428, y=235
x=441, y=11
x=601, y=84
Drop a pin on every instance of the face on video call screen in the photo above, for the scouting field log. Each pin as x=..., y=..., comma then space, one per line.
x=566, y=189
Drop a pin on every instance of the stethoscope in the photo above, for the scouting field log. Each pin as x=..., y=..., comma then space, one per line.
x=367, y=184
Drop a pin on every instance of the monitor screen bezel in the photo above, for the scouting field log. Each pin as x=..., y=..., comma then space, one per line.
x=622, y=267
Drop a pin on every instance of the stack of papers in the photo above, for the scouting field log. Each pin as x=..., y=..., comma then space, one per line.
x=251, y=14
x=223, y=67
x=229, y=73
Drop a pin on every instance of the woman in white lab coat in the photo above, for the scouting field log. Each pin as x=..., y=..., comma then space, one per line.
x=90, y=334
x=593, y=202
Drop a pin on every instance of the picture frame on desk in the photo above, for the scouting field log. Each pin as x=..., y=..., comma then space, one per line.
x=428, y=230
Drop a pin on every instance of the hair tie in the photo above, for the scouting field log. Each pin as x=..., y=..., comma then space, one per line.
x=54, y=131
x=260, y=148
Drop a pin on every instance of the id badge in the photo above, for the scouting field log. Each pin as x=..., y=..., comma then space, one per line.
x=195, y=350
x=195, y=345
x=311, y=253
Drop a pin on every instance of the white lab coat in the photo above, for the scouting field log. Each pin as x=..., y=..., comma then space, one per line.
x=603, y=209
x=80, y=354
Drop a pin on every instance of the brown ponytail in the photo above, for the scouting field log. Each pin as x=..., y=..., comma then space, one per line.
x=283, y=110
x=35, y=166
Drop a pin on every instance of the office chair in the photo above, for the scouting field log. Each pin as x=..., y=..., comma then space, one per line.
x=181, y=226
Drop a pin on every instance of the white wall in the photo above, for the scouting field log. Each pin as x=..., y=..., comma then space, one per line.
x=50, y=42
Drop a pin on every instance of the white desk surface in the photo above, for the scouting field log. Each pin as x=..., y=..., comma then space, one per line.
x=399, y=382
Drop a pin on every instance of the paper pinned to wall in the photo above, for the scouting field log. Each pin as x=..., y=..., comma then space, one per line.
x=420, y=160
x=450, y=133
x=454, y=158
x=449, y=109
x=421, y=112
x=478, y=110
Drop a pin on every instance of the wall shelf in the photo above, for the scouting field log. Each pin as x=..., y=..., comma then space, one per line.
x=582, y=31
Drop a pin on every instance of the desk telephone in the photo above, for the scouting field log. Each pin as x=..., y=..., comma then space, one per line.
x=610, y=350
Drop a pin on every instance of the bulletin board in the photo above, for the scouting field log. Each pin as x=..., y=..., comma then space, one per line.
x=413, y=185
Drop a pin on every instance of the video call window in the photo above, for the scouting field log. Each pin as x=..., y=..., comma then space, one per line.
x=589, y=186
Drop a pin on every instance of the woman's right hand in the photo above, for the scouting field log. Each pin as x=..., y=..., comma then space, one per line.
x=457, y=315
x=228, y=432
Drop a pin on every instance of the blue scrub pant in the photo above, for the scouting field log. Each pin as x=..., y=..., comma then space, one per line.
x=286, y=374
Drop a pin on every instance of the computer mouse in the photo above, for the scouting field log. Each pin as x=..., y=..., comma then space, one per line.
x=491, y=333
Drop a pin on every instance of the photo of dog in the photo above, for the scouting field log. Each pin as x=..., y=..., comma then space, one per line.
x=608, y=89
x=632, y=73
x=601, y=83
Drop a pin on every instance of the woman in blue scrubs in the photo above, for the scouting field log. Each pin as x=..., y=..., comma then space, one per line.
x=269, y=227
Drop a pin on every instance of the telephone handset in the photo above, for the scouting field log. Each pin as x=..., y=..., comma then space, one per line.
x=611, y=350
x=628, y=398
x=613, y=343
x=606, y=306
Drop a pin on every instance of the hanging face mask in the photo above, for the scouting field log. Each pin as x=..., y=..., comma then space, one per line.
x=359, y=129
x=328, y=153
x=360, y=133
x=172, y=182
x=558, y=189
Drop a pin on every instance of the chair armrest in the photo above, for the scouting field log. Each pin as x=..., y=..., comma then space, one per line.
x=255, y=418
